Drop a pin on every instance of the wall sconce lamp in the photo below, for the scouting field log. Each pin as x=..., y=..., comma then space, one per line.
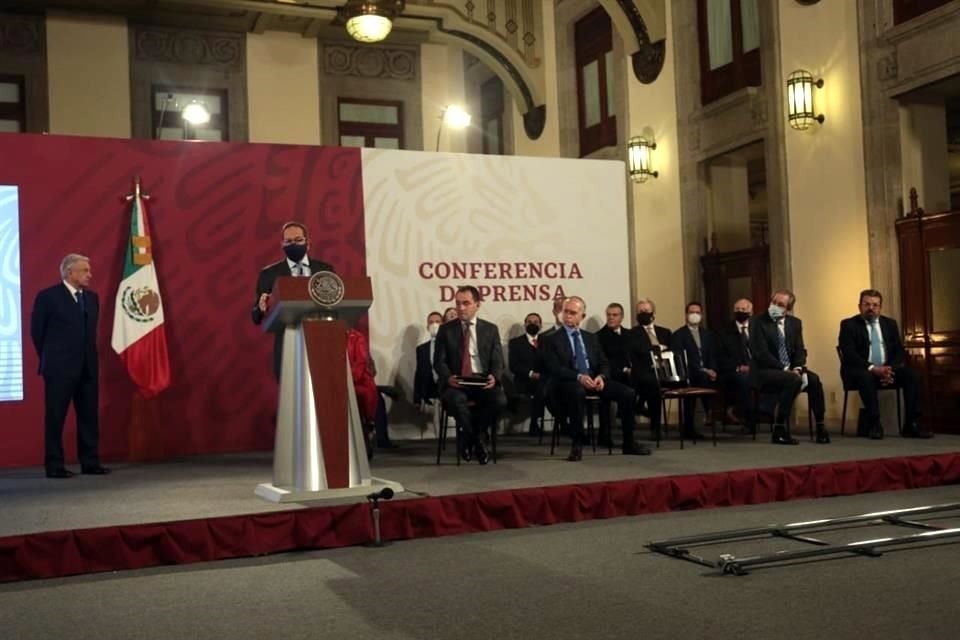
x=454, y=117
x=800, y=108
x=370, y=20
x=639, y=156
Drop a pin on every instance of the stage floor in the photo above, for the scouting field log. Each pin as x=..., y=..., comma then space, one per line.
x=205, y=487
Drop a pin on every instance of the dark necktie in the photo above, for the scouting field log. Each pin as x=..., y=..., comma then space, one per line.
x=579, y=356
x=782, y=347
x=81, y=302
x=466, y=366
x=746, y=340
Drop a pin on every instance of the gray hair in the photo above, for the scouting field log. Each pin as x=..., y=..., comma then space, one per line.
x=68, y=261
x=653, y=305
x=791, y=298
x=583, y=303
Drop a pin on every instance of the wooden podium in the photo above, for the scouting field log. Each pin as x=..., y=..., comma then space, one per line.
x=319, y=451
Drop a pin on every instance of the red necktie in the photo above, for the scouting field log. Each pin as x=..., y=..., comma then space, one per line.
x=466, y=368
x=534, y=343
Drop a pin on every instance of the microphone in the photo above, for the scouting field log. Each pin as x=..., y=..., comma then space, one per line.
x=384, y=494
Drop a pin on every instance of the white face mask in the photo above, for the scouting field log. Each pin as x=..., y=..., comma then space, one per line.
x=694, y=318
x=433, y=328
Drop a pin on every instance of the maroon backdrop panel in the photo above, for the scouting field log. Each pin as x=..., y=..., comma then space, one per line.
x=215, y=215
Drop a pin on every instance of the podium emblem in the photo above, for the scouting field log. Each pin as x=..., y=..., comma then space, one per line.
x=326, y=288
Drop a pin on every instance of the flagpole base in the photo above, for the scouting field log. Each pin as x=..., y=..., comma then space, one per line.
x=273, y=493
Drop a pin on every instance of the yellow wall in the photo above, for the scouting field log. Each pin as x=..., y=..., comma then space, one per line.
x=441, y=70
x=548, y=144
x=825, y=181
x=89, y=75
x=657, y=238
x=282, y=88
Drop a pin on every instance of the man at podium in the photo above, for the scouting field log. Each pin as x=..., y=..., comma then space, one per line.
x=295, y=244
x=468, y=359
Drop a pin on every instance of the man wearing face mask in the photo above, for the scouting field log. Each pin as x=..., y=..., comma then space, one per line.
x=646, y=336
x=295, y=244
x=735, y=365
x=699, y=348
x=527, y=368
x=779, y=362
x=425, y=378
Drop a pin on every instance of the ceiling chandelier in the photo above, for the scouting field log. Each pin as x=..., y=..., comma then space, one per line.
x=370, y=20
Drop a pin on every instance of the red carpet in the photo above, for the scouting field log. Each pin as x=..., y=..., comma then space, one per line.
x=64, y=553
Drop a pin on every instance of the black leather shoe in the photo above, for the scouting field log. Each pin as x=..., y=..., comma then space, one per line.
x=780, y=436
x=636, y=450
x=914, y=431
x=876, y=433
x=59, y=473
x=823, y=437
x=95, y=471
x=466, y=454
x=576, y=454
x=480, y=452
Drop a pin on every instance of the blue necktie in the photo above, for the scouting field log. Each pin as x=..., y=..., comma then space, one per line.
x=876, y=353
x=782, y=348
x=80, y=301
x=579, y=355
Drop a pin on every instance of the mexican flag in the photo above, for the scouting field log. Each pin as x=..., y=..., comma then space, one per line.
x=138, y=333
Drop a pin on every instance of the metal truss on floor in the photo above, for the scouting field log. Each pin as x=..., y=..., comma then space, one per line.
x=731, y=564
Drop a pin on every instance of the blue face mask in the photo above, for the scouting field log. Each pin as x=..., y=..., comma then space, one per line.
x=776, y=312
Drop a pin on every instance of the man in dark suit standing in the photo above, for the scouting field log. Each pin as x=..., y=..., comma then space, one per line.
x=63, y=326
x=780, y=363
x=577, y=367
x=527, y=369
x=646, y=337
x=424, y=377
x=469, y=349
x=699, y=348
x=873, y=357
x=735, y=363
x=295, y=244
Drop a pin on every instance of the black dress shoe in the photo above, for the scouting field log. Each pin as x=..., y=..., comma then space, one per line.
x=782, y=438
x=576, y=454
x=466, y=454
x=636, y=450
x=481, y=454
x=876, y=433
x=823, y=437
x=914, y=431
x=95, y=471
x=59, y=473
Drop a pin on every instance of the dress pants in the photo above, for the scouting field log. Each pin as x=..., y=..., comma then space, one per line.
x=570, y=397
x=648, y=391
x=59, y=392
x=489, y=404
x=786, y=385
x=868, y=385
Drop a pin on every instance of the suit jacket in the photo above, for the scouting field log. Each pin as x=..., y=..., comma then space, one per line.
x=523, y=358
x=734, y=351
x=764, y=342
x=65, y=339
x=617, y=350
x=640, y=348
x=703, y=358
x=854, y=341
x=268, y=276
x=559, y=360
x=424, y=386
x=447, y=354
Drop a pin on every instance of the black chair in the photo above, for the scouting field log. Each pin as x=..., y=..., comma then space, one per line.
x=591, y=405
x=846, y=392
x=671, y=374
x=444, y=426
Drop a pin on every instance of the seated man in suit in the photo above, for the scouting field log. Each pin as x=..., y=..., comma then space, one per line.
x=614, y=340
x=469, y=348
x=735, y=364
x=779, y=365
x=424, y=377
x=699, y=348
x=577, y=366
x=527, y=369
x=873, y=357
x=644, y=338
